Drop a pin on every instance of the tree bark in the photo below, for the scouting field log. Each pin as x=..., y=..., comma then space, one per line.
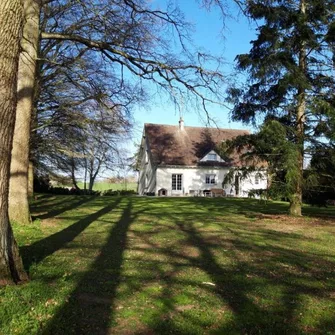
x=11, y=16
x=85, y=173
x=296, y=197
x=73, y=175
x=91, y=175
x=18, y=189
x=31, y=179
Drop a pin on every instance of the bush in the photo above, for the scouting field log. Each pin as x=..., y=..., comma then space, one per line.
x=318, y=197
x=84, y=192
x=42, y=183
x=59, y=190
x=72, y=191
x=119, y=192
x=128, y=192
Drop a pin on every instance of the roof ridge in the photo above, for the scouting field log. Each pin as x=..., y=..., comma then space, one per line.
x=197, y=127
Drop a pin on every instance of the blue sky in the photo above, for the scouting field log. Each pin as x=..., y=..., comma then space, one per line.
x=228, y=42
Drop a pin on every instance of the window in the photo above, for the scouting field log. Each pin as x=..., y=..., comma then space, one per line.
x=211, y=157
x=256, y=179
x=176, y=182
x=210, y=179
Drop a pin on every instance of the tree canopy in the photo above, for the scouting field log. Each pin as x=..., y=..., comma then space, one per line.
x=290, y=77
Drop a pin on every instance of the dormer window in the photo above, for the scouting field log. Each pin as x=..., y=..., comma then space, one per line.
x=212, y=157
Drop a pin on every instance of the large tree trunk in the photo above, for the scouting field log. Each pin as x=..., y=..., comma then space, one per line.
x=11, y=15
x=18, y=191
x=296, y=197
x=31, y=179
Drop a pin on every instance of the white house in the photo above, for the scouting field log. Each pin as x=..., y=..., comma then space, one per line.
x=180, y=160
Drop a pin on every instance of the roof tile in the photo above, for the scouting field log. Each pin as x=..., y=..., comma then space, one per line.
x=170, y=145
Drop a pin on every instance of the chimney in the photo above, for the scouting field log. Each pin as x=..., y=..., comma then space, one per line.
x=181, y=124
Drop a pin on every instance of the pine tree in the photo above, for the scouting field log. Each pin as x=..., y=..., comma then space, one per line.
x=290, y=76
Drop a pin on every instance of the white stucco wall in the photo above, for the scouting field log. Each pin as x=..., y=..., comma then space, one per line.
x=147, y=173
x=194, y=178
x=249, y=183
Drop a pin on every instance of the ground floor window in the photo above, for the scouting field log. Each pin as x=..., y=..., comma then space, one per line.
x=257, y=179
x=177, y=182
x=210, y=179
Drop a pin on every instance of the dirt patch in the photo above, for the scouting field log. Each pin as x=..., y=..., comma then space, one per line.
x=142, y=246
x=324, y=221
x=184, y=308
x=49, y=223
x=37, y=214
x=190, y=251
x=282, y=218
x=286, y=219
x=130, y=326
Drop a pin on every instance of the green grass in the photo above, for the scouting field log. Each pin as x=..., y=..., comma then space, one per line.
x=112, y=265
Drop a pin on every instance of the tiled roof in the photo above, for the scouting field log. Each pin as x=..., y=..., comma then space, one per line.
x=170, y=145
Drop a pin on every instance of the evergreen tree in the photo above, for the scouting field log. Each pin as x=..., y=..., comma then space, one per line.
x=290, y=76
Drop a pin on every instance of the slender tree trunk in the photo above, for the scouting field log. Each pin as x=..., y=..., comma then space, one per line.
x=91, y=183
x=91, y=174
x=85, y=175
x=18, y=190
x=11, y=16
x=296, y=198
x=73, y=175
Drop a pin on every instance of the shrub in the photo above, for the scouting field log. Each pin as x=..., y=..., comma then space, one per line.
x=318, y=197
x=118, y=192
x=59, y=190
x=42, y=183
x=72, y=191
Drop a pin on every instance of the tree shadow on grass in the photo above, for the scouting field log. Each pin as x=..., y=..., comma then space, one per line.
x=256, y=269
x=251, y=208
x=39, y=250
x=259, y=262
x=232, y=285
x=89, y=309
x=69, y=201
x=236, y=284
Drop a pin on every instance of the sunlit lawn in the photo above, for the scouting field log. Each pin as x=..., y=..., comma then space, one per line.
x=110, y=265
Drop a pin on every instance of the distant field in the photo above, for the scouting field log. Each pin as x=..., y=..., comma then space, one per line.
x=103, y=186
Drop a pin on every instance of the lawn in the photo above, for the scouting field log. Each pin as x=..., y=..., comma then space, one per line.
x=112, y=265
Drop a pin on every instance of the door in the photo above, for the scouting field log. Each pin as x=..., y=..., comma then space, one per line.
x=177, y=184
